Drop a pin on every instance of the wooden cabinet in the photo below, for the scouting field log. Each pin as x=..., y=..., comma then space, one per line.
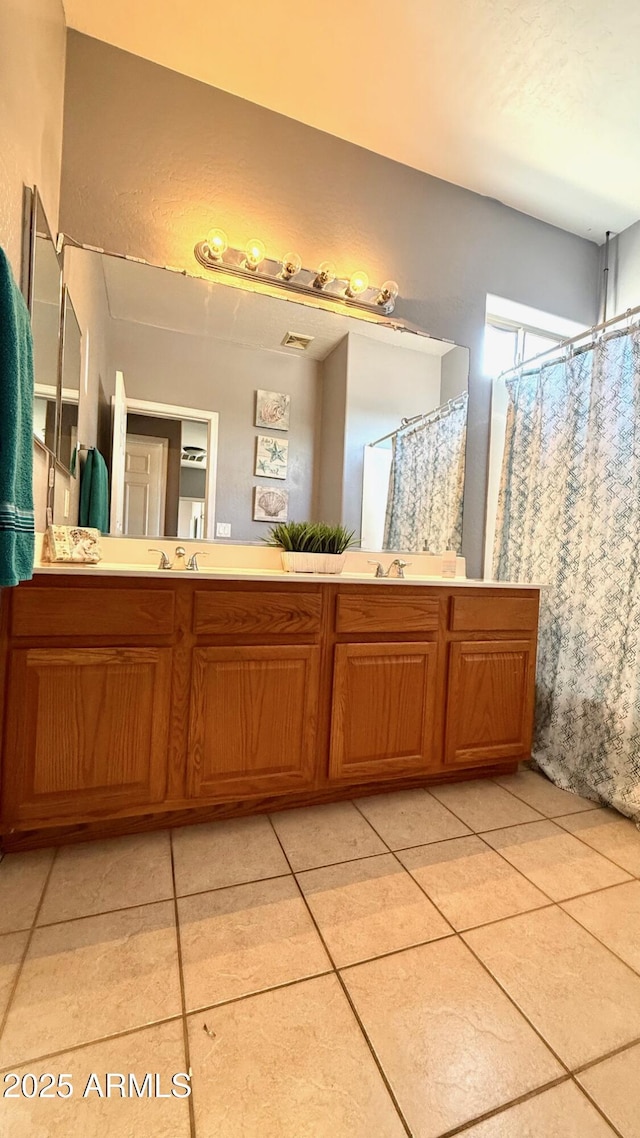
x=149, y=702
x=86, y=729
x=254, y=713
x=383, y=710
x=490, y=701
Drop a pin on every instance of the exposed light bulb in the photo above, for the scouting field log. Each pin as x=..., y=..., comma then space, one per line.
x=217, y=243
x=358, y=283
x=254, y=254
x=291, y=264
x=388, y=293
x=325, y=275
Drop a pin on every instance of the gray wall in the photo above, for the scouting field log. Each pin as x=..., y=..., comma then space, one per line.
x=152, y=159
x=32, y=60
x=194, y=371
x=624, y=271
x=333, y=413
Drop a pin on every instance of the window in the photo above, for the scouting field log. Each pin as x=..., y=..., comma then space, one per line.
x=506, y=344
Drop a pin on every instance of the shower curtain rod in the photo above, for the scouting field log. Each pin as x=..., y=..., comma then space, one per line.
x=437, y=413
x=573, y=340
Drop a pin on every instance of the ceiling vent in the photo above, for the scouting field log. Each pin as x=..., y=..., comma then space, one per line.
x=297, y=340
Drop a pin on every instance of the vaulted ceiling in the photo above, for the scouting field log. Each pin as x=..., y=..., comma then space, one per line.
x=533, y=102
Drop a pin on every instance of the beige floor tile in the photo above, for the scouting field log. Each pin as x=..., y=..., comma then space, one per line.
x=158, y=1050
x=12, y=946
x=610, y=834
x=555, y=861
x=615, y=1085
x=410, y=818
x=450, y=1042
x=367, y=907
x=561, y=1112
x=22, y=878
x=323, y=835
x=614, y=917
x=97, y=876
x=484, y=806
x=247, y=938
x=89, y=978
x=470, y=883
x=540, y=793
x=582, y=999
x=226, y=853
x=291, y=1063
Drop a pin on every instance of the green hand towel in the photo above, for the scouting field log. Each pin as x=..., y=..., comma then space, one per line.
x=17, y=539
x=94, y=492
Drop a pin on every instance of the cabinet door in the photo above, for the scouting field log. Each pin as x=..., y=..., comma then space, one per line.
x=253, y=720
x=87, y=729
x=490, y=701
x=383, y=710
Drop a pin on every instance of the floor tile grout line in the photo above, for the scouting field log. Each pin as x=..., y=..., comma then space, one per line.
x=465, y=1127
x=572, y=814
x=609, y=1121
x=603, y=1058
x=346, y=994
x=183, y=999
x=30, y=1059
x=16, y=980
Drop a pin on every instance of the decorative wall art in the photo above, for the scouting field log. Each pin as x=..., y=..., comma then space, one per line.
x=272, y=410
x=271, y=457
x=270, y=505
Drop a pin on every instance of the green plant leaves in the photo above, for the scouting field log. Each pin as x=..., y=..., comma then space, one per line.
x=310, y=537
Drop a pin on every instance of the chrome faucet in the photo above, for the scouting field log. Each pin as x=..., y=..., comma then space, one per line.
x=394, y=570
x=181, y=563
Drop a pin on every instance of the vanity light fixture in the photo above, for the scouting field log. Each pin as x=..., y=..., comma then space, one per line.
x=291, y=264
x=388, y=293
x=326, y=274
x=254, y=254
x=358, y=283
x=215, y=254
x=217, y=243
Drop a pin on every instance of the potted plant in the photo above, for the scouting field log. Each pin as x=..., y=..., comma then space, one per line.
x=311, y=547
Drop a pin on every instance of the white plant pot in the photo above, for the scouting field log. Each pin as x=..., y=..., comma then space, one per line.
x=313, y=562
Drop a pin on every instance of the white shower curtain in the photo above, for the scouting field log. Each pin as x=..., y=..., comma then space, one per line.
x=569, y=515
x=426, y=484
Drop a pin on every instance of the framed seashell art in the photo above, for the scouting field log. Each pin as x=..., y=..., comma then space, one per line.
x=272, y=410
x=270, y=505
x=271, y=457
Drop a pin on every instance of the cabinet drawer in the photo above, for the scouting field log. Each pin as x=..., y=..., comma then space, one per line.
x=493, y=614
x=224, y=612
x=92, y=612
x=387, y=614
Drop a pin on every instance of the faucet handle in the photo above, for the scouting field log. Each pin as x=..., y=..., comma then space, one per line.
x=400, y=567
x=164, y=560
x=379, y=570
x=192, y=563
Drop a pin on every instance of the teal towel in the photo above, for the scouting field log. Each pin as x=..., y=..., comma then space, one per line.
x=94, y=492
x=17, y=541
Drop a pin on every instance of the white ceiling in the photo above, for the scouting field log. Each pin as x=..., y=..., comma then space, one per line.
x=533, y=102
x=144, y=294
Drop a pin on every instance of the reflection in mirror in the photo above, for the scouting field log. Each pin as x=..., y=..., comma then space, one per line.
x=70, y=387
x=44, y=295
x=295, y=393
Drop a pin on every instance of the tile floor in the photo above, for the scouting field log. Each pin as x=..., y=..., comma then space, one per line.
x=460, y=961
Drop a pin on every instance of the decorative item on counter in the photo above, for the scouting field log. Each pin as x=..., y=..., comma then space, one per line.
x=271, y=457
x=272, y=410
x=72, y=544
x=311, y=547
x=270, y=505
x=449, y=563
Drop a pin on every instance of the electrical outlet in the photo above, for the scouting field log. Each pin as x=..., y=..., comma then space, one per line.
x=223, y=529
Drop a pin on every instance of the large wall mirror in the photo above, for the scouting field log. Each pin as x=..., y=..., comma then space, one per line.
x=220, y=409
x=44, y=284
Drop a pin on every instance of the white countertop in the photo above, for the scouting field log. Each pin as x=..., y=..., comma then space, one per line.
x=106, y=569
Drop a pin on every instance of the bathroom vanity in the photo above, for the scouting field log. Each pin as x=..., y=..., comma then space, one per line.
x=137, y=701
